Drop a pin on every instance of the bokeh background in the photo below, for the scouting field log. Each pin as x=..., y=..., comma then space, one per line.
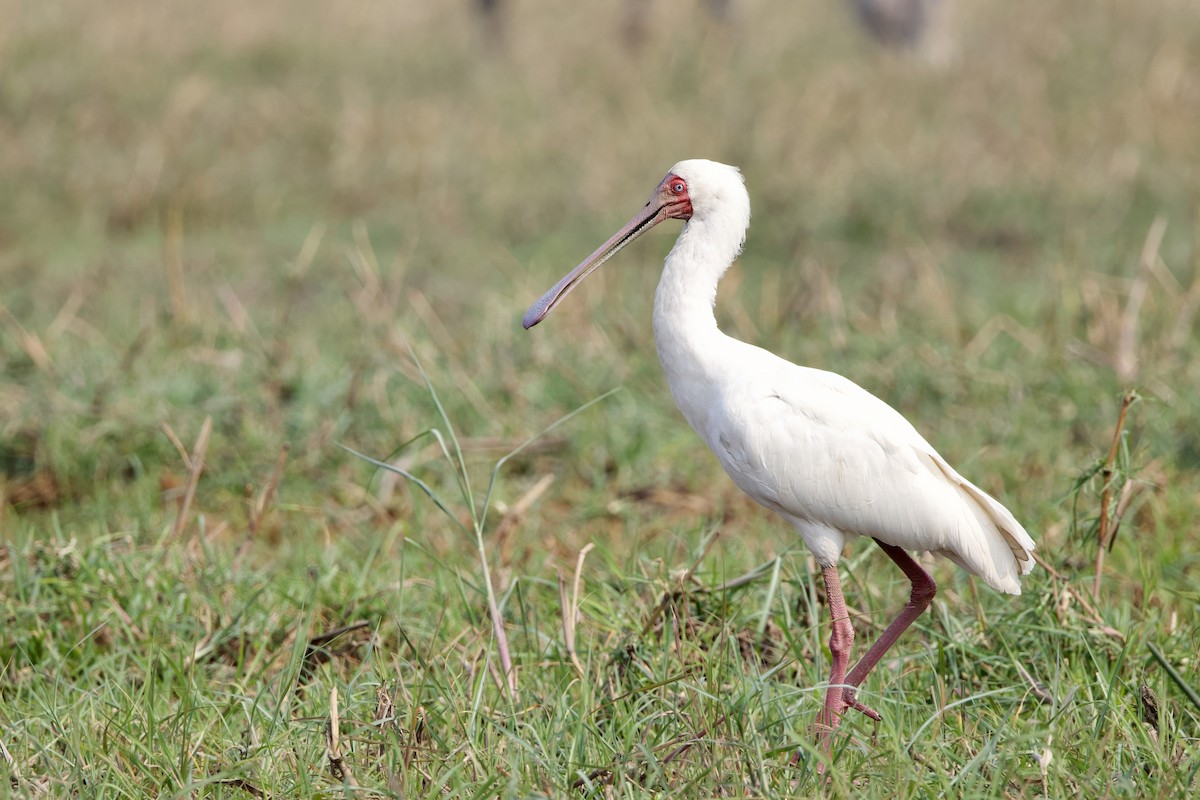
x=251, y=212
x=268, y=214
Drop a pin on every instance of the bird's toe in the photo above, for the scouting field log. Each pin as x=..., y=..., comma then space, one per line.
x=850, y=699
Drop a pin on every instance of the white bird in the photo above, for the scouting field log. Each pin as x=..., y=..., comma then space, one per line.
x=825, y=454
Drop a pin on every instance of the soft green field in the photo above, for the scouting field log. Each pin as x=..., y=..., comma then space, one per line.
x=273, y=215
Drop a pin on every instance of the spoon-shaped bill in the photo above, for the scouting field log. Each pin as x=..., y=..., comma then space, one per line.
x=644, y=220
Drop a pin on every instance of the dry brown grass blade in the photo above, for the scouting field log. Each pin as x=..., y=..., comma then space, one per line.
x=195, y=465
x=67, y=314
x=1129, y=492
x=235, y=309
x=501, y=683
x=13, y=779
x=506, y=662
x=416, y=738
x=512, y=517
x=1002, y=323
x=1069, y=592
x=177, y=443
x=568, y=622
x=316, y=654
x=131, y=627
x=366, y=267
x=31, y=343
x=333, y=747
x=262, y=504
x=385, y=714
x=1038, y=689
x=1149, y=706
x=1106, y=521
x=570, y=608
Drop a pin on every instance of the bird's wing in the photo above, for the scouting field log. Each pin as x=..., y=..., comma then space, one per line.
x=820, y=449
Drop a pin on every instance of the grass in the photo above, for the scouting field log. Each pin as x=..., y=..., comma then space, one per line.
x=265, y=217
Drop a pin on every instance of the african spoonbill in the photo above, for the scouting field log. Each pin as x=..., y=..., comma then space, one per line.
x=829, y=457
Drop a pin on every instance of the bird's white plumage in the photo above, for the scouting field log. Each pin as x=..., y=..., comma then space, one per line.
x=824, y=453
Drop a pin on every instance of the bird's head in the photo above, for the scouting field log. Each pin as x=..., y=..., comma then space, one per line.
x=696, y=190
x=711, y=189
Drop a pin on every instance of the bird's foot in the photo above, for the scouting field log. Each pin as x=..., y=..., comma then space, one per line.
x=824, y=728
x=848, y=697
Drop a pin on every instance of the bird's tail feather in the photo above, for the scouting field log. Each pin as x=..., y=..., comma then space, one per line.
x=993, y=515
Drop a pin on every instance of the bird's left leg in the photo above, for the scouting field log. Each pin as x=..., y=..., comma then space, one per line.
x=840, y=639
x=923, y=590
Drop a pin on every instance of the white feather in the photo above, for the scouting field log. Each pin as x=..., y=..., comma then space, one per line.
x=827, y=455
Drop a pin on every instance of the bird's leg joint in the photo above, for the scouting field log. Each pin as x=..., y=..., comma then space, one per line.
x=923, y=592
x=841, y=639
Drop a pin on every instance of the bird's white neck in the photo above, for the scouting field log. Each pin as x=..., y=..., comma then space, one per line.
x=690, y=346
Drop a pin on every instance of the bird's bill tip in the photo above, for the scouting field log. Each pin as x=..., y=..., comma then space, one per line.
x=532, y=317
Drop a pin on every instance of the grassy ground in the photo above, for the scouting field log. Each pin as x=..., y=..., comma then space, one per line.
x=229, y=234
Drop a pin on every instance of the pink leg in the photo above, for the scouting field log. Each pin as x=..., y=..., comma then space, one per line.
x=923, y=590
x=840, y=640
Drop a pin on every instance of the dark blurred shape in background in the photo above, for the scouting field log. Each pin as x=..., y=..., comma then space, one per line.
x=896, y=23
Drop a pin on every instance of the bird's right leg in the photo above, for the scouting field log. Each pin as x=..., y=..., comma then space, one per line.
x=923, y=591
x=840, y=639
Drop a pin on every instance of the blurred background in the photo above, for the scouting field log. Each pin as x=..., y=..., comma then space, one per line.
x=254, y=211
x=234, y=236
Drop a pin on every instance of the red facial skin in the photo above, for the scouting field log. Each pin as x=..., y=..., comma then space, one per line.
x=674, y=193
